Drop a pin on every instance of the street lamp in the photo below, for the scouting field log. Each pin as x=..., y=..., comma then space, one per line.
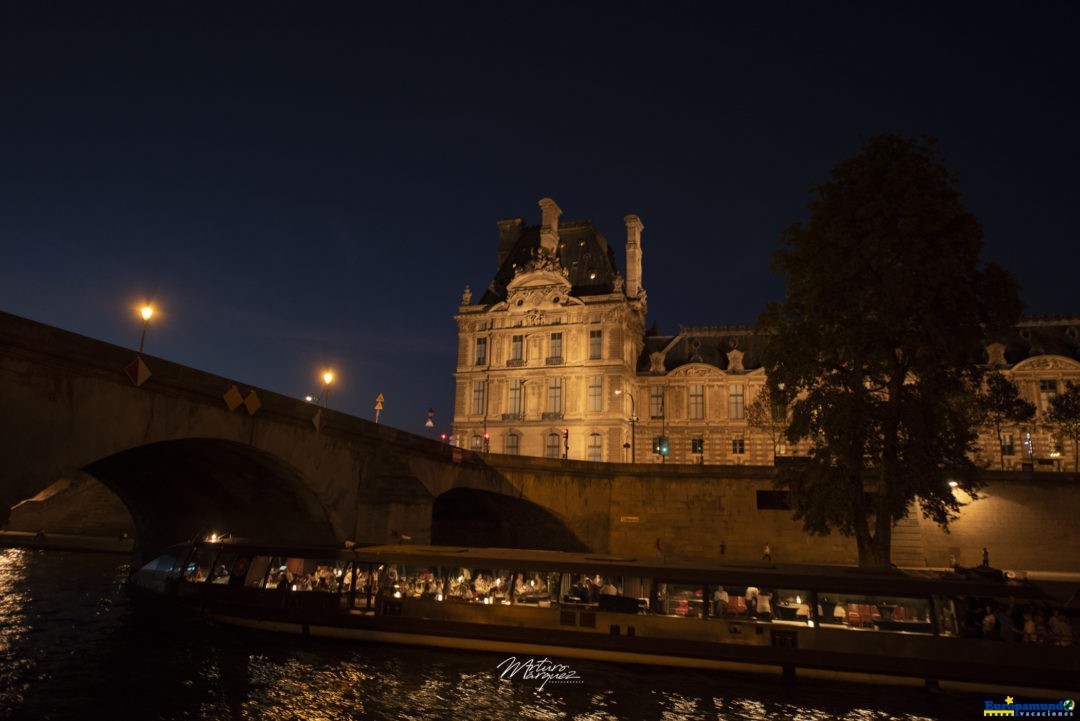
x=328, y=378
x=146, y=312
x=633, y=421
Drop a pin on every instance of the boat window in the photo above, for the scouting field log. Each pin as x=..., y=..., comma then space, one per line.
x=257, y=569
x=231, y=568
x=539, y=588
x=791, y=605
x=477, y=585
x=881, y=613
x=168, y=562
x=946, y=616
x=415, y=582
x=679, y=599
x=198, y=567
x=367, y=585
x=307, y=575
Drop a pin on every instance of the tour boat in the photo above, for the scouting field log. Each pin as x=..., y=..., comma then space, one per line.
x=793, y=621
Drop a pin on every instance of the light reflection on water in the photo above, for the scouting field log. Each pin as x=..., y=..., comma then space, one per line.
x=72, y=646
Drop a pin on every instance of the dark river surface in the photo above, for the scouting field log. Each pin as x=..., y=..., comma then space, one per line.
x=74, y=646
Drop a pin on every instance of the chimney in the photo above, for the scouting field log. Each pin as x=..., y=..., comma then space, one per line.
x=549, y=227
x=509, y=232
x=633, y=255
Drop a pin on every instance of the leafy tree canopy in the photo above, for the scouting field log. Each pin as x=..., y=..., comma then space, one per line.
x=885, y=316
x=999, y=404
x=1064, y=416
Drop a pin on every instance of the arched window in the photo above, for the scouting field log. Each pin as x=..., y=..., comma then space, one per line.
x=513, y=446
x=551, y=445
x=595, y=448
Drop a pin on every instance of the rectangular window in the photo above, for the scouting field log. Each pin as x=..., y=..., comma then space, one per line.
x=552, y=446
x=1047, y=392
x=738, y=446
x=556, y=345
x=517, y=345
x=1008, y=446
x=594, y=449
x=514, y=404
x=697, y=402
x=477, y=443
x=596, y=387
x=773, y=501
x=479, y=394
x=481, y=351
x=697, y=445
x=555, y=395
x=656, y=402
x=736, y=402
x=512, y=445
x=596, y=338
x=780, y=448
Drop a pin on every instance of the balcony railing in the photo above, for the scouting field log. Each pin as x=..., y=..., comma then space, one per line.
x=511, y=416
x=551, y=416
x=555, y=360
x=515, y=363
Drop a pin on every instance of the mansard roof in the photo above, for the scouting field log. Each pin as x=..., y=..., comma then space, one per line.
x=1042, y=335
x=582, y=251
x=709, y=345
x=1033, y=336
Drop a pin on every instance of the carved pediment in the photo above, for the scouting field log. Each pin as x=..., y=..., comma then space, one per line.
x=695, y=370
x=1047, y=363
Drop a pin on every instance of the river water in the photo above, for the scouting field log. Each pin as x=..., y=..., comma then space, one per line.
x=74, y=646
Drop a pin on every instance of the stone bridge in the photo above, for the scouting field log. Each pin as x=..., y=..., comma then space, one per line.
x=189, y=453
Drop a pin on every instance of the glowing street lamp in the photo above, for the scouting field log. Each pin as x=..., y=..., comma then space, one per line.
x=146, y=312
x=633, y=423
x=328, y=378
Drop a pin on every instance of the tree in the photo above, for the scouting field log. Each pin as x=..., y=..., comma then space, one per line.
x=768, y=414
x=885, y=316
x=999, y=404
x=1064, y=415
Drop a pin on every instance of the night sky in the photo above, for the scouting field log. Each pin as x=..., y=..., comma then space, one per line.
x=314, y=184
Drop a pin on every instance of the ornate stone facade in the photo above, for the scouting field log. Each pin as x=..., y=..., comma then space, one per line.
x=554, y=360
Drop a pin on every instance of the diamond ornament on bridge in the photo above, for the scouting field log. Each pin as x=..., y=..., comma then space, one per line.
x=137, y=371
x=233, y=399
x=317, y=420
x=252, y=402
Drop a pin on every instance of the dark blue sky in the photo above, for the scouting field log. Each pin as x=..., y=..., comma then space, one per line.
x=315, y=184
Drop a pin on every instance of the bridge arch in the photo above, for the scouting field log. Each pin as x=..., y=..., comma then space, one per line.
x=473, y=517
x=177, y=490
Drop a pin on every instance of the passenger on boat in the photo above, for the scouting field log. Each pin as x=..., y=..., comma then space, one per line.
x=764, y=607
x=609, y=589
x=720, y=601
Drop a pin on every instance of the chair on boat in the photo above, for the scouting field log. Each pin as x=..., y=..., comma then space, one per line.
x=736, y=605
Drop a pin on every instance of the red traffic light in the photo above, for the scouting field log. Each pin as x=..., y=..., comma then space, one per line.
x=566, y=433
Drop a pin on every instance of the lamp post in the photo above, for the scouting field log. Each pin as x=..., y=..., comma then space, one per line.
x=328, y=378
x=633, y=421
x=146, y=312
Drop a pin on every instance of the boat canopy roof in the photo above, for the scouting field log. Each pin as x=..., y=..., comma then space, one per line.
x=816, y=577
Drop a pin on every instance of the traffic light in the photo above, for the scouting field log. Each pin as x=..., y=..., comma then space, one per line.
x=663, y=445
x=566, y=443
x=656, y=444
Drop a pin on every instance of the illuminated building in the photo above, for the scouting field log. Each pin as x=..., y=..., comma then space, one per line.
x=554, y=358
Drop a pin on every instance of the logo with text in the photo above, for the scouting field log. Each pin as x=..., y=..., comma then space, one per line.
x=1065, y=708
x=544, y=671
